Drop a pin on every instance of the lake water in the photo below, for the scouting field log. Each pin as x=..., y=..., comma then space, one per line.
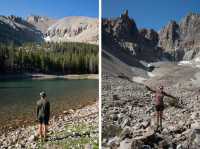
x=18, y=97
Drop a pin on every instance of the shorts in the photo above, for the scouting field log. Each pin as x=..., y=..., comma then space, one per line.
x=43, y=120
x=159, y=107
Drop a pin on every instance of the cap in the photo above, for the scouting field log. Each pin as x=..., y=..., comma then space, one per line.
x=161, y=87
x=43, y=94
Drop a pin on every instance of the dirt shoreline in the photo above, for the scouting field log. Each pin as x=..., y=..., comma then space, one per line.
x=40, y=76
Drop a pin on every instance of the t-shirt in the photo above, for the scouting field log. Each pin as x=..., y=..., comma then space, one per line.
x=43, y=109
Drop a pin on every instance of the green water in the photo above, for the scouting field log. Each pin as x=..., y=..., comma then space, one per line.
x=18, y=97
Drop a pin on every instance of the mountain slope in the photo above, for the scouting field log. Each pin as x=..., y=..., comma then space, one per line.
x=175, y=42
x=40, y=29
x=124, y=46
x=41, y=23
x=75, y=29
x=16, y=30
x=123, y=32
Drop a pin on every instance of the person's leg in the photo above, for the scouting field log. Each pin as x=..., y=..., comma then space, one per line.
x=157, y=117
x=45, y=130
x=40, y=130
x=161, y=115
x=46, y=122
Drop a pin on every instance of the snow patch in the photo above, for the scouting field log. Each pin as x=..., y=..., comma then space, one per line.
x=194, y=63
x=197, y=59
x=150, y=74
x=149, y=65
x=47, y=38
x=139, y=79
x=184, y=62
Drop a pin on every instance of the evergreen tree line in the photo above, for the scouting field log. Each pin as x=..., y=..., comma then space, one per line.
x=59, y=58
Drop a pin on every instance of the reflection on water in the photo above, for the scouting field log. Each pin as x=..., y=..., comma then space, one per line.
x=18, y=97
x=15, y=87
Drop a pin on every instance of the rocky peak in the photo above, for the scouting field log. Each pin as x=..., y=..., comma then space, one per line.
x=12, y=19
x=33, y=18
x=123, y=32
x=36, y=19
x=40, y=22
x=124, y=15
x=185, y=34
x=190, y=17
x=175, y=41
x=15, y=18
x=150, y=35
x=17, y=30
x=169, y=35
x=124, y=27
x=190, y=27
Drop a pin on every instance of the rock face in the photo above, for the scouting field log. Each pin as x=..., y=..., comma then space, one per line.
x=124, y=28
x=41, y=23
x=175, y=41
x=74, y=29
x=182, y=37
x=123, y=33
x=150, y=35
x=17, y=30
x=169, y=36
x=40, y=29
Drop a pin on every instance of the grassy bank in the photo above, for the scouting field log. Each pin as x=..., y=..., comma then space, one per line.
x=74, y=136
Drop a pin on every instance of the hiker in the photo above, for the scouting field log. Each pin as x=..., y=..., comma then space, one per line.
x=43, y=113
x=159, y=103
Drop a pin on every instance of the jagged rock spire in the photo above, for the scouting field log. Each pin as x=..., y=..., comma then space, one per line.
x=125, y=14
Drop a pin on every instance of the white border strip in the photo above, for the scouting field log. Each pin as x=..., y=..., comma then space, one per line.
x=100, y=72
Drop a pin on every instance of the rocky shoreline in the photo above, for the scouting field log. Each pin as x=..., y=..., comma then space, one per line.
x=129, y=117
x=40, y=76
x=71, y=129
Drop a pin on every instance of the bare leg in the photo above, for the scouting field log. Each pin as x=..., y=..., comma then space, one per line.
x=161, y=115
x=40, y=130
x=45, y=128
x=157, y=116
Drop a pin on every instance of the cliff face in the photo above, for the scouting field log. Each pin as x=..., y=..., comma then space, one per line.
x=184, y=37
x=190, y=31
x=41, y=23
x=169, y=36
x=74, y=29
x=16, y=30
x=123, y=33
x=175, y=41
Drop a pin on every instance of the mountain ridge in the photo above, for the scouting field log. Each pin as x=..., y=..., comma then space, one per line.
x=37, y=28
x=150, y=45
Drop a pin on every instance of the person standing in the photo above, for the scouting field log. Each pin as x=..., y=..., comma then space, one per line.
x=43, y=114
x=159, y=103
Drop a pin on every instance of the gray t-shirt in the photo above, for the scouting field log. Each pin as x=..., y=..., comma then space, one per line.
x=43, y=109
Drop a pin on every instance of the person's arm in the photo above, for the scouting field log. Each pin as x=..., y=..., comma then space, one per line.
x=148, y=88
x=37, y=111
x=168, y=95
x=48, y=110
